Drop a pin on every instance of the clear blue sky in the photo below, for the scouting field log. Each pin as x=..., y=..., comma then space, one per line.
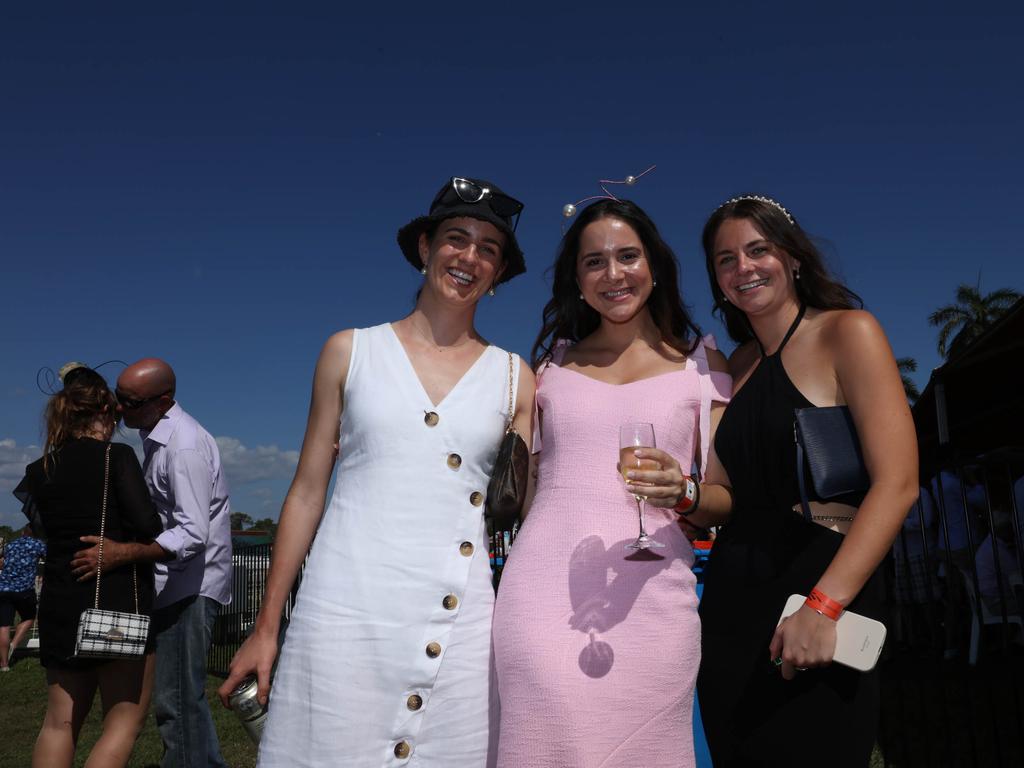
x=220, y=184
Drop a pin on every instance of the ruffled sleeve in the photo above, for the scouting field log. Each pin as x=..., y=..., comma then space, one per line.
x=715, y=387
x=557, y=353
x=23, y=493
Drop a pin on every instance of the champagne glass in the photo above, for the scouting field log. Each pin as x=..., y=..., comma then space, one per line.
x=631, y=437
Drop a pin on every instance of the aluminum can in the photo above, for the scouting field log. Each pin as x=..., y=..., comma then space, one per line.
x=247, y=707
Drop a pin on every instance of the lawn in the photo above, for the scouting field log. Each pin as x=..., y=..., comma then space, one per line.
x=23, y=702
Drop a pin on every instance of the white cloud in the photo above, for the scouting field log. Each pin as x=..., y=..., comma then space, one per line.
x=13, y=459
x=242, y=464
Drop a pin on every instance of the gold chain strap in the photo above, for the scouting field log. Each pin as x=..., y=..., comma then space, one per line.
x=511, y=404
x=103, y=530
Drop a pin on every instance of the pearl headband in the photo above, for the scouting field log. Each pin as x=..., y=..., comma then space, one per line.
x=761, y=199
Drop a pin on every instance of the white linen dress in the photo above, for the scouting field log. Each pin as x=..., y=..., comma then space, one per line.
x=386, y=661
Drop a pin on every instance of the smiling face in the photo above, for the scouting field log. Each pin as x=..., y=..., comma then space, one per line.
x=612, y=270
x=463, y=258
x=754, y=275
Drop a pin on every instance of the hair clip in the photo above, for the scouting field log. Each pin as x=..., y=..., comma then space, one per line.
x=569, y=209
x=761, y=199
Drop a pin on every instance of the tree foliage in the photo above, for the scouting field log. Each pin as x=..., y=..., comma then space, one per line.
x=908, y=365
x=971, y=315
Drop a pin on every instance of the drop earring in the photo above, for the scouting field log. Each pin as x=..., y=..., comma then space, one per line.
x=423, y=269
x=490, y=291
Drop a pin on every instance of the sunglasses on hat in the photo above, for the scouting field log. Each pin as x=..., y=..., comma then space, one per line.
x=468, y=191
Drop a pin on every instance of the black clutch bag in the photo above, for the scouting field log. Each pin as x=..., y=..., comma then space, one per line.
x=506, y=490
x=827, y=445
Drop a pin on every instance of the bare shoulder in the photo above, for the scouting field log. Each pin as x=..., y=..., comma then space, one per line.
x=852, y=329
x=743, y=358
x=527, y=379
x=717, y=361
x=334, y=357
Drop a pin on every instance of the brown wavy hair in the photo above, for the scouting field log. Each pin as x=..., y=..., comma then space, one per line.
x=566, y=317
x=72, y=411
x=816, y=287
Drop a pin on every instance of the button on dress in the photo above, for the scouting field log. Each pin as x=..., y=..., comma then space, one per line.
x=386, y=659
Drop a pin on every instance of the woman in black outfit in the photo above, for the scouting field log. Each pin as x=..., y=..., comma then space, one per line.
x=65, y=488
x=770, y=696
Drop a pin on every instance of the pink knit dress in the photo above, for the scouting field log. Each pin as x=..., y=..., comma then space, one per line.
x=597, y=646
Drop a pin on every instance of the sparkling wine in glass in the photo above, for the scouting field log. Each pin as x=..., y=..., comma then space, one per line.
x=631, y=437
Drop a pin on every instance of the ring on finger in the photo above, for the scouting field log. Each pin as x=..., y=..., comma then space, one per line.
x=800, y=669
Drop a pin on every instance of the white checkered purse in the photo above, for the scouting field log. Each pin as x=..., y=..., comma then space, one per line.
x=111, y=634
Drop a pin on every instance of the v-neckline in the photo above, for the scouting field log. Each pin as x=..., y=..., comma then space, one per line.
x=419, y=381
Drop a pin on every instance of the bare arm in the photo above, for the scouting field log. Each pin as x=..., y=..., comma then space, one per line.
x=300, y=515
x=870, y=383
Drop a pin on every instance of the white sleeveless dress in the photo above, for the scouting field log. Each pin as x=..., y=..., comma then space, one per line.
x=386, y=661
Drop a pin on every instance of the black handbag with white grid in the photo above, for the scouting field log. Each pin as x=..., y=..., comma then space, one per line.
x=111, y=634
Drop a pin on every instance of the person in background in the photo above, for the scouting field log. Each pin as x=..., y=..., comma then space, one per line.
x=386, y=657
x=803, y=343
x=192, y=556
x=18, y=562
x=64, y=490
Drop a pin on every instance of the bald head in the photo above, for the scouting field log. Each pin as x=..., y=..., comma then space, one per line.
x=145, y=392
x=148, y=377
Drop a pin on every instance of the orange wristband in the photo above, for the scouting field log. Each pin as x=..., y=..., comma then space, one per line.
x=688, y=502
x=823, y=604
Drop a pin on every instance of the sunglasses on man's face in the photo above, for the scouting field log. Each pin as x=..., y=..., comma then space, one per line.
x=469, y=191
x=130, y=403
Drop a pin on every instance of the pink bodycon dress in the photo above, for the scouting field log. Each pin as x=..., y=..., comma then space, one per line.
x=597, y=646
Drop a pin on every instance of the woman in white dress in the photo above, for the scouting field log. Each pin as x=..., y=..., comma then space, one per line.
x=386, y=661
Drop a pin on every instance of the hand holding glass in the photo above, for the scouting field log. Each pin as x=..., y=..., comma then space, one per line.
x=631, y=437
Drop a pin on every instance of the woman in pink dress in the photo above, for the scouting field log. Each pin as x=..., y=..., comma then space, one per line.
x=597, y=645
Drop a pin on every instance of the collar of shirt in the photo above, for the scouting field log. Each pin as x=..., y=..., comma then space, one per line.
x=164, y=428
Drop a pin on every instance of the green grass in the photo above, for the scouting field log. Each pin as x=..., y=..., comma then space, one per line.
x=23, y=702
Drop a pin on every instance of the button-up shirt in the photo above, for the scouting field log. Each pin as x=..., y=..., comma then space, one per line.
x=20, y=558
x=183, y=472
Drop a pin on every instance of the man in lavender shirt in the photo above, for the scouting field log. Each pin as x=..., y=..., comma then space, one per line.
x=192, y=556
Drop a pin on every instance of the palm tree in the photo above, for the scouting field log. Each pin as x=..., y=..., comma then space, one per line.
x=970, y=316
x=908, y=365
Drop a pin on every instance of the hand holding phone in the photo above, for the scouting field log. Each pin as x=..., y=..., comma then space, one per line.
x=859, y=639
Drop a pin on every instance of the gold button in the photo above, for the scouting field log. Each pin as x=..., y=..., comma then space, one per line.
x=430, y=419
x=449, y=602
x=476, y=498
x=454, y=460
x=433, y=650
x=402, y=750
x=466, y=548
x=414, y=702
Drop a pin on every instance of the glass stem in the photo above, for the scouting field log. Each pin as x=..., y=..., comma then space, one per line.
x=640, y=514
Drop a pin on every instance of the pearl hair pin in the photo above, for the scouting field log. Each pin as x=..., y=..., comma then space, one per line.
x=569, y=209
x=761, y=199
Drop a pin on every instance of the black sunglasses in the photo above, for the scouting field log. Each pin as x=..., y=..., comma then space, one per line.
x=130, y=403
x=468, y=191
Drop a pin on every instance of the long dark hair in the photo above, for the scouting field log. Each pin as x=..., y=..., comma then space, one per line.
x=567, y=317
x=816, y=287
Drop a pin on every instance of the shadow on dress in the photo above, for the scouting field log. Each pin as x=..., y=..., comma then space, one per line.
x=604, y=583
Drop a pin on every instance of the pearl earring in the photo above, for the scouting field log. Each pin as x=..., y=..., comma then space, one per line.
x=490, y=291
x=796, y=274
x=423, y=269
x=654, y=283
x=581, y=297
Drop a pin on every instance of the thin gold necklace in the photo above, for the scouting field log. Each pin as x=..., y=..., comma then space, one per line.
x=432, y=343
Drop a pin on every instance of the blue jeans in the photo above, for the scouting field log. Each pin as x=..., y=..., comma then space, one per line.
x=183, y=632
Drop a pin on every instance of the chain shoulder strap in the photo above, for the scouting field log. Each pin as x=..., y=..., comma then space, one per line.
x=103, y=531
x=511, y=400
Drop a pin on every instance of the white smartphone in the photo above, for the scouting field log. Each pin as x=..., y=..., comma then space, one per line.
x=859, y=639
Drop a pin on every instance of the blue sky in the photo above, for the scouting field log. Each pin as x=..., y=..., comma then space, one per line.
x=220, y=184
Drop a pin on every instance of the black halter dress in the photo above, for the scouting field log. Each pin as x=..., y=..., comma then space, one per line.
x=752, y=717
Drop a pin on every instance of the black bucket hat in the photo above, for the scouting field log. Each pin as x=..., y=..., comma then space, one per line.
x=477, y=199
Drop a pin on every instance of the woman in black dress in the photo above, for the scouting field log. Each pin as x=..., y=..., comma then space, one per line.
x=770, y=696
x=65, y=489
